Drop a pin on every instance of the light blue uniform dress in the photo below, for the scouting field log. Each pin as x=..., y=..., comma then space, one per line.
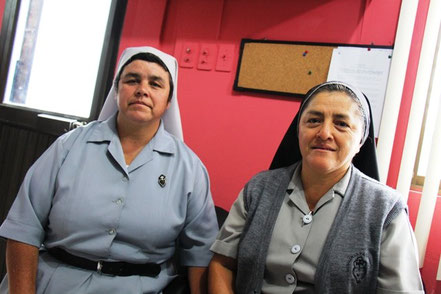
x=81, y=196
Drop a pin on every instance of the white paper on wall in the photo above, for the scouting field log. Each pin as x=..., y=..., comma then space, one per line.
x=366, y=69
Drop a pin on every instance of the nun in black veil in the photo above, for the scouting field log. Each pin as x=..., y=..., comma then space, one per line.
x=365, y=160
x=319, y=221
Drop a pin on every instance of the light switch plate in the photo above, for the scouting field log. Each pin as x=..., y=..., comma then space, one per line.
x=225, y=57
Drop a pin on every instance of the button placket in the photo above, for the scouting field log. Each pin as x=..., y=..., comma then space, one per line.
x=120, y=200
x=299, y=241
x=290, y=279
x=295, y=249
x=307, y=218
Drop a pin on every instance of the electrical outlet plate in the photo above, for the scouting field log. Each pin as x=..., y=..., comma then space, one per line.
x=207, y=56
x=188, y=54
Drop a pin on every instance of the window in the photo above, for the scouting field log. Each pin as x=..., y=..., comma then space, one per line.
x=433, y=106
x=57, y=59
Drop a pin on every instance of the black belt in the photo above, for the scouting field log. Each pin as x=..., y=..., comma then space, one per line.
x=106, y=267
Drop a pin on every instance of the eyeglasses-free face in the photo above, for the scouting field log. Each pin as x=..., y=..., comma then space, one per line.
x=330, y=131
x=143, y=92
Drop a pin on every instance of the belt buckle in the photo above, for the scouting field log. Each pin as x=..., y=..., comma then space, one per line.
x=99, y=266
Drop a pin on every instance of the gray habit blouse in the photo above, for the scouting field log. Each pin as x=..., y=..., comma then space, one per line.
x=299, y=235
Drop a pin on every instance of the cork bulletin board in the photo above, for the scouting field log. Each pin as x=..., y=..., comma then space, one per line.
x=283, y=68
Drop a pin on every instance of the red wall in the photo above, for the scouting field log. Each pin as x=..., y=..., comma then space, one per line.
x=2, y=7
x=236, y=134
x=433, y=250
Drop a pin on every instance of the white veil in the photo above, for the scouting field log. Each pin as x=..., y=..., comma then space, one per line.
x=172, y=117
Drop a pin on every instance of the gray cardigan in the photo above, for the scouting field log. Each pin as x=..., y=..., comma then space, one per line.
x=349, y=262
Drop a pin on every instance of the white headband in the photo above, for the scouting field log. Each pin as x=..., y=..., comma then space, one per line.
x=358, y=95
x=171, y=118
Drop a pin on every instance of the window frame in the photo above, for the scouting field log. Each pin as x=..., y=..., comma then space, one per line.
x=417, y=182
x=55, y=123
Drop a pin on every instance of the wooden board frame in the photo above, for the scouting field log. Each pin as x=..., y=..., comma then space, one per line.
x=283, y=67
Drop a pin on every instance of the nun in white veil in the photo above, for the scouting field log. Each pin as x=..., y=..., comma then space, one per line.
x=109, y=206
x=172, y=117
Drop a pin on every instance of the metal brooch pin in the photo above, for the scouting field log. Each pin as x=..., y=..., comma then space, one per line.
x=161, y=181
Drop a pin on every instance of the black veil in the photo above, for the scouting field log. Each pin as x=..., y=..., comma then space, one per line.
x=289, y=151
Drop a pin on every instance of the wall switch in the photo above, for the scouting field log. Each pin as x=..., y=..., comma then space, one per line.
x=207, y=56
x=188, y=54
x=225, y=57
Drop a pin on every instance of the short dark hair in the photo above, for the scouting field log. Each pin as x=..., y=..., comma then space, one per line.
x=149, y=57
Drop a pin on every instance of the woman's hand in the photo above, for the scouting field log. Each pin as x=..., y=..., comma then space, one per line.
x=222, y=270
x=21, y=264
